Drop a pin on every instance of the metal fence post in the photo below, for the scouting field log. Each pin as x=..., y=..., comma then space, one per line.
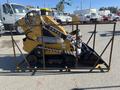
x=94, y=38
x=111, y=50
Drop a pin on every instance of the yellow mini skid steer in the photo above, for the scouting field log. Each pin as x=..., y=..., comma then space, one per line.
x=49, y=46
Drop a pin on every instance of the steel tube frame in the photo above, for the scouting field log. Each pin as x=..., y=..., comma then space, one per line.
x=94, y=39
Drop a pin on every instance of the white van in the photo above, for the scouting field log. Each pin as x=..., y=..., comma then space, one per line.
x=10, y=13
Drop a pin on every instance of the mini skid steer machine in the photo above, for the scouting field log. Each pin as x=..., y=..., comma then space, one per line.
x=49, y=46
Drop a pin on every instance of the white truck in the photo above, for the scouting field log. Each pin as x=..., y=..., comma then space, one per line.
x=104, y=12
x=62, y=18
x=113, y=17
x=10, y=13
x=1, y=27
x=88, y=15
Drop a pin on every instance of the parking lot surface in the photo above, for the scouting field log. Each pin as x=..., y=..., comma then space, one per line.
x=62, y=81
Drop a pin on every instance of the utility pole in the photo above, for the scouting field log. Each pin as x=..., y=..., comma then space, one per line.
x=44, y=3
x=7, y=1
x=81, y=4
x=90, y=4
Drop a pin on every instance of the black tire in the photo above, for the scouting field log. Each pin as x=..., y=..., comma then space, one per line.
x=91, y=20
x=69, y=60
x=2, y=31
x=105, y=20
x=84, y=22
x=19, y=30
x=32, y=60
x=59, y=21
x=115, y=20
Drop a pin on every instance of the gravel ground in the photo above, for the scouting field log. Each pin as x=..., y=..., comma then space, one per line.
x=63, y=81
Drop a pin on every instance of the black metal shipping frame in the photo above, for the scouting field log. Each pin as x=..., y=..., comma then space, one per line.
x=93, y=35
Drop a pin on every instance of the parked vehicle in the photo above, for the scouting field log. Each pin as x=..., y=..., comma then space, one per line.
x=10, y=13
x=104, y=12
x=88, y=15
x=113, y=17
x=92, y=17
x=61, y=18
x=105, y=18
x=1, y=27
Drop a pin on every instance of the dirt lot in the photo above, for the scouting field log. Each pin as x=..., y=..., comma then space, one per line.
x=62, y=81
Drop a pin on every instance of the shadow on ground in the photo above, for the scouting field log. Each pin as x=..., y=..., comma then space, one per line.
x=107, y=33
x=110, y=33
x=9, y=33
x=92, y=32
x=8, y=68
x=102, y=87
x=9, y=62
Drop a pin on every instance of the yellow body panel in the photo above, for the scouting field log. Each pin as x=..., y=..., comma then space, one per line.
x=52, y=22
x=75, y=19
x=34, y=31
x=29, y=45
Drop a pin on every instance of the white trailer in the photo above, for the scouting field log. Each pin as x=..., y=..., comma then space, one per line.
x=10, y=13
x=85, y=11
x=87, y=15
x=104, y=12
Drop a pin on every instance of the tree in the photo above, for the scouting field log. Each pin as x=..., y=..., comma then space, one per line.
x=112, y=9
x=102, y=8
x=61, y=5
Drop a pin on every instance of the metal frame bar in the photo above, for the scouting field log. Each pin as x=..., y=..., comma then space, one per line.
x=14, y=50
x=94, y=39
x=43, y=50
x=111, y=49
x=76, y=46
x=112, y=42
